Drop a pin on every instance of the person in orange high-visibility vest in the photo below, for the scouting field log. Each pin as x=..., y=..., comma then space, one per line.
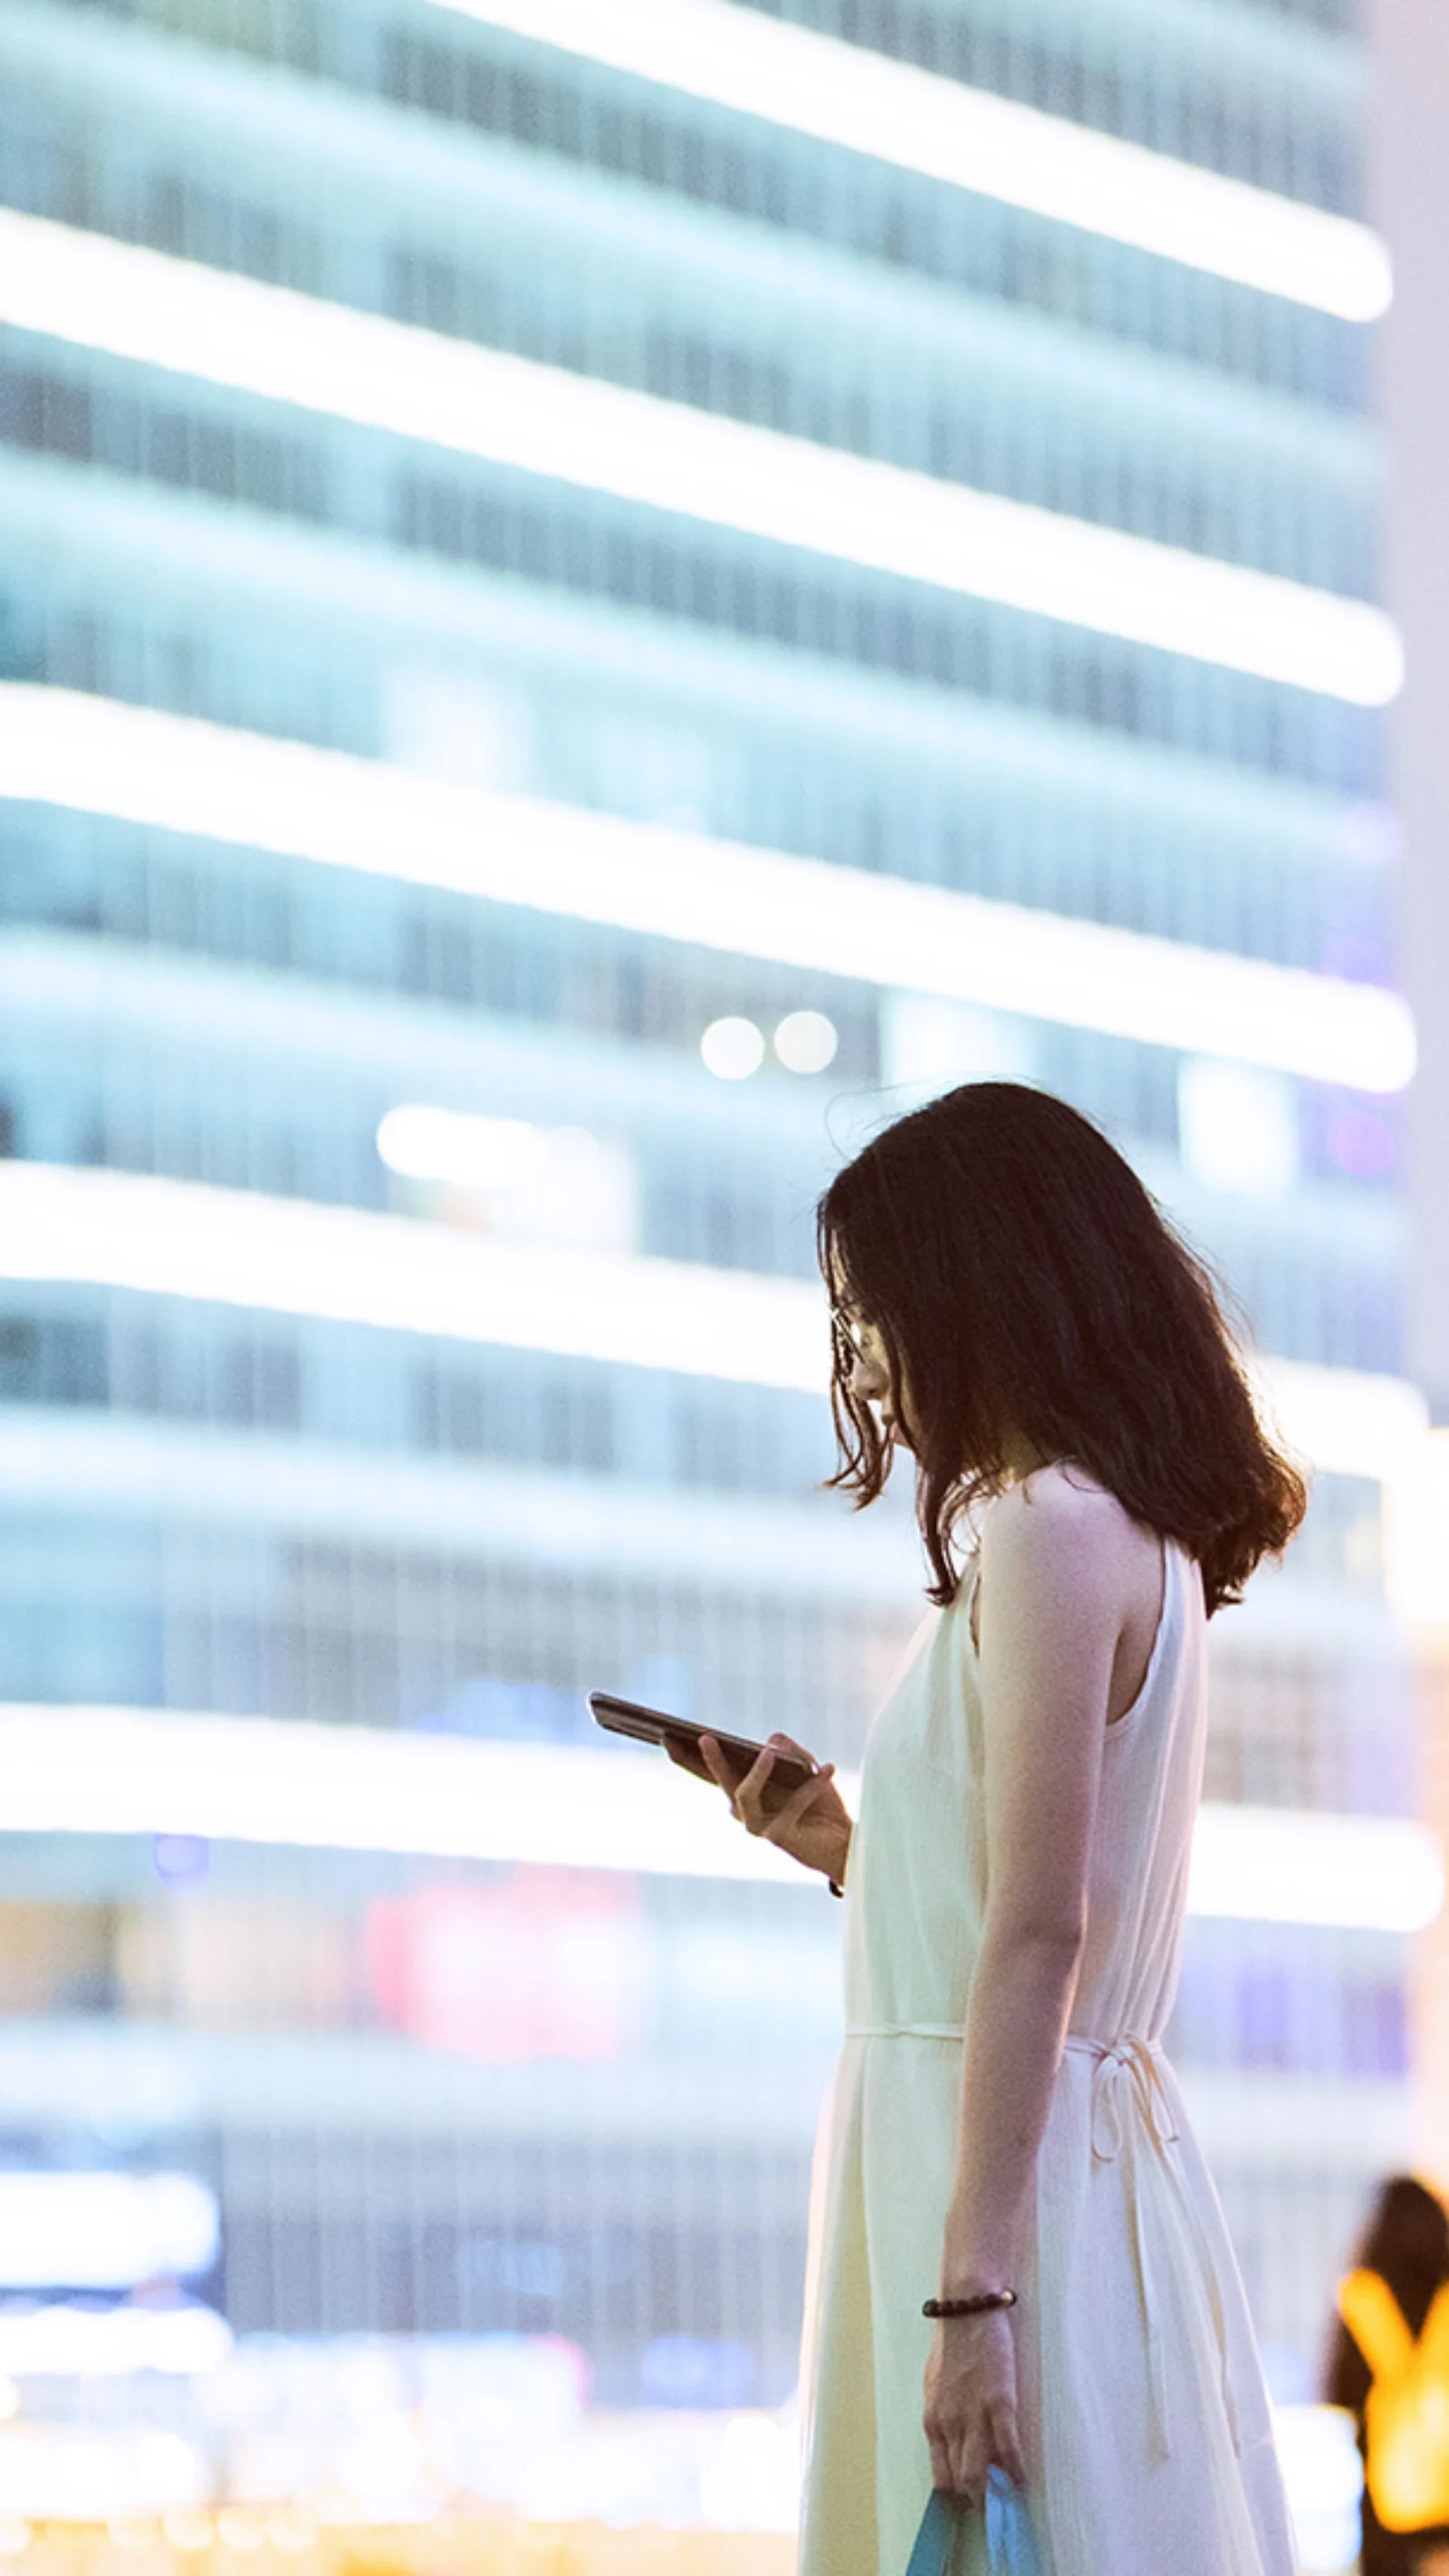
x=1390, y=2367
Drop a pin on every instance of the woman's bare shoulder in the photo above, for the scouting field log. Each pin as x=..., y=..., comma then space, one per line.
x=1060, y=1515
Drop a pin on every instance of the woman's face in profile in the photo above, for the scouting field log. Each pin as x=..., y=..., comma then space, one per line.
x=870, y=1376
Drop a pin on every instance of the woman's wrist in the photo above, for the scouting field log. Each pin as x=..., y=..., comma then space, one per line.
x=972, y=2265
x=982, y=2303
x=956, y=2286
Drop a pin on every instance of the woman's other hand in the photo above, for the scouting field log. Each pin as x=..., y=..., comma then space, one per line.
x=971, y=2404
x=812, y=1824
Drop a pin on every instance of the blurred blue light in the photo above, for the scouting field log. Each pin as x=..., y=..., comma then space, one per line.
x=181, y=1859
x=696, y=2370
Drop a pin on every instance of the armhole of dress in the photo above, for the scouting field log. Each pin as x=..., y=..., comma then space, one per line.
x=1134, y=1708
x=1159, y=1635
x=973, y=1607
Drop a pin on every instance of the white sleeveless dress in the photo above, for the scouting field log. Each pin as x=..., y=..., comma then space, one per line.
x=1144, y=2415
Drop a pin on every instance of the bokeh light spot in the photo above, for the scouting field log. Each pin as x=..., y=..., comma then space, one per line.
x=806, y=1041
x=733, y=1049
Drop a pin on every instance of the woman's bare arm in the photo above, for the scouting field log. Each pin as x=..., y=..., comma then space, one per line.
x=1061, y=1569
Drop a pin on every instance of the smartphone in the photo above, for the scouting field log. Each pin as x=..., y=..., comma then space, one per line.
x=679, y=1737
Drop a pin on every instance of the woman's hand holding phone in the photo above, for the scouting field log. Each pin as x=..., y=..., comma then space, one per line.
x=812, y=1825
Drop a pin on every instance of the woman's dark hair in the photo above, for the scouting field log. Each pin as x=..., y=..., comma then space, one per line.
x=1026, y=1287
x=1406, y=2242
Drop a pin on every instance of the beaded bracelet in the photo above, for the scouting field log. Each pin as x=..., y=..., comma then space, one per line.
x=974, y=2307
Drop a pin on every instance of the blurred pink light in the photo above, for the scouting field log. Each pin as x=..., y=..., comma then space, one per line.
x=550, y=1964
x=1361, y=1144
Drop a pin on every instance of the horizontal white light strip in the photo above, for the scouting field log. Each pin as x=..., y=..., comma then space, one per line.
x=839, y=93
x=1347, y=1422
x=71, y=2341
x=1277, y=1865
x=350, y=1788
x=104, y=2231
x=354, y=1788
x=96, y=756
x=1417, y=1540
x=286, y=1256
x=289, y=1257
x=266, y=340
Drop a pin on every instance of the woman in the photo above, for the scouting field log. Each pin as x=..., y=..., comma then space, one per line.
x=1406, y=2245
x=1005, y=2134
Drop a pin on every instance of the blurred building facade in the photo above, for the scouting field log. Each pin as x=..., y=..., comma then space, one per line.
x=1411, y=99
x=317, y=1407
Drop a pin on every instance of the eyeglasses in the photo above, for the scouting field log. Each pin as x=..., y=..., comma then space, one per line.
x=852, y=1327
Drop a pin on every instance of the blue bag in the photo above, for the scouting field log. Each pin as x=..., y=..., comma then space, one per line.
x=1010, y=2548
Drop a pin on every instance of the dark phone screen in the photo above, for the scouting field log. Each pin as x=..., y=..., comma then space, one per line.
x=679, y=1738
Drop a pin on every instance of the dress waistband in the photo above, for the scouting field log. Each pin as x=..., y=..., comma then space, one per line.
x=1140, y=2060
x=1130, y=2062
x=904, y=2030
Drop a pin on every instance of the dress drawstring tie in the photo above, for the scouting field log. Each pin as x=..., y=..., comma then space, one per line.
x=1128, y=2076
